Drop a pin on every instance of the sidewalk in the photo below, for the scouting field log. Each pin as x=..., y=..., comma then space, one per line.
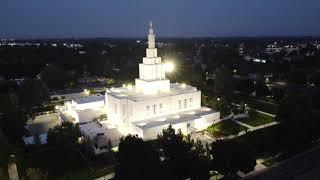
x=106, y=177
x=252, y=128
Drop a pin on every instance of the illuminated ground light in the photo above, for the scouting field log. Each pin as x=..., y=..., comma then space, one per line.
x=86, y=91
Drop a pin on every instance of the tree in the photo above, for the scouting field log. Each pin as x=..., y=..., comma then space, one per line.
x=12, y=119
x=4, y=150
x=221, y=104
x=32, y=93
x=230, y=157
x=36, y=139
x=54, y=77
x=242, y=107
x=64, y=135
x=245, y=86
x=252, y=113
x=261, y=89
x=223, y=82
x=182, y=157
x=295, y=118
x=137, y=160
x=277, y=94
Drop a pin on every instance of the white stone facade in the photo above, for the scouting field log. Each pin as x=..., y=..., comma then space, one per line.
x=154, y=103
x=145, y=108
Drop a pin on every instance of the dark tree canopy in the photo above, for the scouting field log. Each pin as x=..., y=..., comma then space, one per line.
x=182, y=158
x=137, y=160
x=12, y=119
x=261, y=89
x=224, y=81
x=230, y=157
x=32, y=93
x=222, y=105
x=65, y=134
x=245, y=86
x=55, y=77
x=4, y=150
x=295, y=118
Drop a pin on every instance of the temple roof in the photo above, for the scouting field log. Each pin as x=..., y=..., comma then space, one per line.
x=130, y=93
x=172, y=119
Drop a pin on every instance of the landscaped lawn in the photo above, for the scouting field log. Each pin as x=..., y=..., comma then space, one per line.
x=225, y=128
x=63, y=165
x=258, y=120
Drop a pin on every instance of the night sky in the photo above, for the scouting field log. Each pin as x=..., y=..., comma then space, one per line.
x=172, y=18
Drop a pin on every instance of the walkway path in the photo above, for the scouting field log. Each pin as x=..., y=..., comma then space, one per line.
x=252, y=128
x=262, y=112
x=243, y=124
x=106, y=177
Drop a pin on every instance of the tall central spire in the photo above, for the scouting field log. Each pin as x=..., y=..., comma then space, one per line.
x=151, y=28
x=151, y=37
x=152, y=77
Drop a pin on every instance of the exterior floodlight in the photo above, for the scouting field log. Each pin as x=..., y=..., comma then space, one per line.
x=129, y=86
x=86, y=91
x=169, y=67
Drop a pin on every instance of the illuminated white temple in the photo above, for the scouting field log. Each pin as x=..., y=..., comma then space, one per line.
x=153, y=102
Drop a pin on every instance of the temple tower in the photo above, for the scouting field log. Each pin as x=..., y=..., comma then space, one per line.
x=152, y=71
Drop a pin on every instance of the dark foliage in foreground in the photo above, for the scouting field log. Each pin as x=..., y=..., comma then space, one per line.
x=231, y=156
x=174, y=156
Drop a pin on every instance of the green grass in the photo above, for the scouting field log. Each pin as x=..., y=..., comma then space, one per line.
x=225, y=128
x=258, y=120
x=63, y=165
